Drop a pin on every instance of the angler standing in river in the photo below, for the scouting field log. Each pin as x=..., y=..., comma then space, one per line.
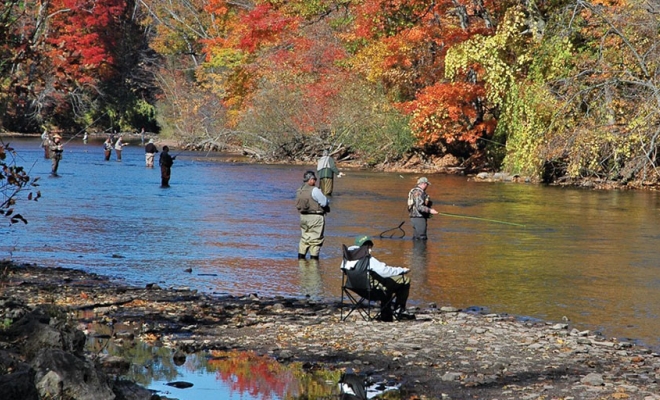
x=150, y=151
x=56, y=150
x=419, y=208
x=107, y=148
x=326, y=169
x=165, y=161
x=312, y=206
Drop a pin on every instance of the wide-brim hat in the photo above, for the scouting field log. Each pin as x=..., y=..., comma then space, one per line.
x=423, y=180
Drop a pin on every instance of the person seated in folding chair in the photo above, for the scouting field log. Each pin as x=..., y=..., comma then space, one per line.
x=392, y=280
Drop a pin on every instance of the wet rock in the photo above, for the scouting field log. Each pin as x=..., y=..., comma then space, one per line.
x=113, y=364
x=179, y=358
x=180, y=384
x=18, y=384
x=57, y=371
x=126, y=390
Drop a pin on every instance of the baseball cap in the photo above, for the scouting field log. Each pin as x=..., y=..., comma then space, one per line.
x=360, y=240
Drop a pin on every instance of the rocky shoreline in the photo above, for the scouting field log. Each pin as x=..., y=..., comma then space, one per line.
x=444, y=354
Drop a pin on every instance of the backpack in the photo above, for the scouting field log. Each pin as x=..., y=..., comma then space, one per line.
x=411, y=198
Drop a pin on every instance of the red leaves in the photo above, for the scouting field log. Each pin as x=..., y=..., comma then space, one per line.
x=82, y=34
x=264, y=25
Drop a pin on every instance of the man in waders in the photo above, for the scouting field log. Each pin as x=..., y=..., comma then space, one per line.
x=327, y=170
x=56, y=150
x=165, y=161
x=312, y=205
x=419, y=208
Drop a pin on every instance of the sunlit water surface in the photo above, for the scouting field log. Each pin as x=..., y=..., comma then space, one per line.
x=591, y=256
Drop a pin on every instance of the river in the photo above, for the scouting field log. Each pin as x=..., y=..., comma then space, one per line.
x=526, y=250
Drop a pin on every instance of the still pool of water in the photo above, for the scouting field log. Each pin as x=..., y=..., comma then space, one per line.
x=226, y=375
x=589, y=256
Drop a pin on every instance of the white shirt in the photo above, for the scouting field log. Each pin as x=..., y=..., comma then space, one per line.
x=377, y=266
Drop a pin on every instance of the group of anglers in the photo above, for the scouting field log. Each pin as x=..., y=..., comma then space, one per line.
x=53, y=149
x=313, y=204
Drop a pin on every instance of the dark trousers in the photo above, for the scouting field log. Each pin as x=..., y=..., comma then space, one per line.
x=419, y=228
x=107, y=155
x=398, y=286
x=165, y=173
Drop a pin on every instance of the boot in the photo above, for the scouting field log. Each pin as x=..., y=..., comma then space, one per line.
x=401, y=314
x=316, y=257
x=301, y=256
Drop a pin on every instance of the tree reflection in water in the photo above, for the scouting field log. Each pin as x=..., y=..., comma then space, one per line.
x=246, y=374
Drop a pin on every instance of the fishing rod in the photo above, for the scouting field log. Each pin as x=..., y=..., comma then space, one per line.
x=84, y=129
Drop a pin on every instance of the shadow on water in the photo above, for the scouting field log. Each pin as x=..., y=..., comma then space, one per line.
x=589, y=256
x=227, y=374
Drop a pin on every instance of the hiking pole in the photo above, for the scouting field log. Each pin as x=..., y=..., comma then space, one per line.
x=481, y=219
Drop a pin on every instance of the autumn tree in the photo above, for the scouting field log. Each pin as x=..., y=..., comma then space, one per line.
x=57, y=56
x=402, y=44
x=611, y=98
x=572, y=91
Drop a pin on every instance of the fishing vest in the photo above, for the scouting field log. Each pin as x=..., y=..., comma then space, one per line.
x=305, y=203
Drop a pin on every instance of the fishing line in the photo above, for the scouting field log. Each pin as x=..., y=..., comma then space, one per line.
x=84, y=129
x=481, y=219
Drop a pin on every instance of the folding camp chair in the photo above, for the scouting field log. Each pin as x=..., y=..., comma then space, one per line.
x=360, y=287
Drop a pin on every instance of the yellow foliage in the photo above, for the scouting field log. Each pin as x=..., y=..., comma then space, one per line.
x=370, y=61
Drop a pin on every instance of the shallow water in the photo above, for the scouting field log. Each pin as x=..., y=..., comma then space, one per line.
x=587, y=255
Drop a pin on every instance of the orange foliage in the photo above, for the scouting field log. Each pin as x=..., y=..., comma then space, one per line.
x=446, y=112
x=417, y=35
x=260, y=376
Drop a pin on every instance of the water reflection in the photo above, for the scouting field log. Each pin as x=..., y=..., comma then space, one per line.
x=311, y=284
x=212, y=375
x=354, y=386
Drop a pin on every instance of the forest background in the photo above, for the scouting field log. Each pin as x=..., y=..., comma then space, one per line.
x=554, y=90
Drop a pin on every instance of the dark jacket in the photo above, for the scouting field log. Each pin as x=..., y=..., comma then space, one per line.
x=150, y=148
x=165, y=160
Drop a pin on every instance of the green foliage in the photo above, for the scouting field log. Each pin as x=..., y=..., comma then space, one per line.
x=370, y=126
x=529, y=108
x=526, y=116
x=502, y=57
x=360, y=120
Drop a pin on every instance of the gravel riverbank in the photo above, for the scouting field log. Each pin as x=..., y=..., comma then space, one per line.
x=443, y=354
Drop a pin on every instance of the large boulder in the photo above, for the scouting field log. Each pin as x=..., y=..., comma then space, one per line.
x=46, y=327
x=62, y=375
x=42, y=356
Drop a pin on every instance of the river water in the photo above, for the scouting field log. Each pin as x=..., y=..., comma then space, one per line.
x=526, y=250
